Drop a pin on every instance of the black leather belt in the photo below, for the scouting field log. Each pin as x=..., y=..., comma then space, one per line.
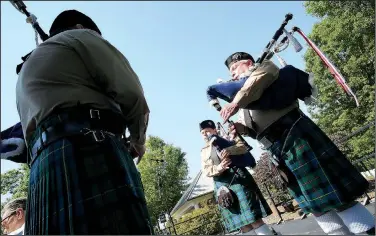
x=276, y=130
x=99, y=117
x=94, y=125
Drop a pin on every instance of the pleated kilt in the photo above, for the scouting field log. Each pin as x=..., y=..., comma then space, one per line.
x=251, y=205
x=324, y=178
x=79, y=186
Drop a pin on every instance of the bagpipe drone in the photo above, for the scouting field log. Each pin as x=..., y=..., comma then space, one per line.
x=13, y=147
x=291, y=84
x=267, y=51
x=32, y=19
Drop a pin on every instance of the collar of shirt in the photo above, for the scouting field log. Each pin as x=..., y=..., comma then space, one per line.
x=18, y=231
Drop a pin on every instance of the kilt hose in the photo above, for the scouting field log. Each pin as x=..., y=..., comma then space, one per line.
x=324, y=178
x=80, y=186
x=250, y=205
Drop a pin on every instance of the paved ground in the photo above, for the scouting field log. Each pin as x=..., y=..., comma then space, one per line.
x=307, y=226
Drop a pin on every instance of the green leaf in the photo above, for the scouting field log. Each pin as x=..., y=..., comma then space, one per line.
x=345, y=34
x=164, y=182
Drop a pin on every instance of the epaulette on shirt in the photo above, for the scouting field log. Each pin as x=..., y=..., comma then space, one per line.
x=24, y=58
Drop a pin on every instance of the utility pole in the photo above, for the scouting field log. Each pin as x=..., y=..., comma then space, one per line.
x=159, y=182
x=172, y=221
x=159, y=175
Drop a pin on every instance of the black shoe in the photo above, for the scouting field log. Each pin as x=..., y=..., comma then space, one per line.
x=274, y=232
x=371, y=231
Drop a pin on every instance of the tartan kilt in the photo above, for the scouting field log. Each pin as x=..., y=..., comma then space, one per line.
x=250, y=204
x=324, y=178
x=79, y=186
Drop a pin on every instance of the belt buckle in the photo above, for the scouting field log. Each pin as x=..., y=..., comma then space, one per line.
x=98, y=135
x=265, y=142
x=95, y=114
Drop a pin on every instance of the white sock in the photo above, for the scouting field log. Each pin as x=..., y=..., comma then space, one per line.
x=332, y=224
x=357, y=218
x=341, y=231
x=263, y=230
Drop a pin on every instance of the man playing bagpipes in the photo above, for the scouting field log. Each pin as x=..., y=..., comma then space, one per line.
x=241, y=202
x=267, y=80
x=76, y=96
x=317, y=174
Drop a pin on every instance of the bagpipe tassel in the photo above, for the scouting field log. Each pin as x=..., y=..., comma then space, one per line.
x=333, y=70
x=295, y=43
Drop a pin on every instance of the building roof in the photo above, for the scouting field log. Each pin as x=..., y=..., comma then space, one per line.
x=200, y=186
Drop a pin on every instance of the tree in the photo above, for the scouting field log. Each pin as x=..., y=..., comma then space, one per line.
x=205, y=220
x=164, y=182
x=346, y=35
x=266, y=176
x=15, y=182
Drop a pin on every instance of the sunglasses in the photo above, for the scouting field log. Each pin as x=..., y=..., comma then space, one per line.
x=11, y=214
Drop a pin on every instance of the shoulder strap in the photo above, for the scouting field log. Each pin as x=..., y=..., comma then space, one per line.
x=248, y=118
x=249, y=123
x=214, y=156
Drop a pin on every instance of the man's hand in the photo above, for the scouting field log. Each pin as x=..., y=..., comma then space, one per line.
x=229, y=110
x=242, y=129
x=137, y=151
x=224, y=154
x=265, y=155
x=236, y=127
x=225, y=163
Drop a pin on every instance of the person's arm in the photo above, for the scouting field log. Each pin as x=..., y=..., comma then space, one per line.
x=242, y=129
x=208, y=167
x=255, y=85
x=114, y=76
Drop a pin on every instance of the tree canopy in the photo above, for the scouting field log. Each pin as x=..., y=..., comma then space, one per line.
x=164, y=182
x=345, y=33
x=15, y=182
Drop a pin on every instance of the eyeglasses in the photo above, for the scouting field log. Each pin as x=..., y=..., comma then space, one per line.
x=11, y=214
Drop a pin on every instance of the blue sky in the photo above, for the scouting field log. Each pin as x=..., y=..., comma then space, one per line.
x=176, y=48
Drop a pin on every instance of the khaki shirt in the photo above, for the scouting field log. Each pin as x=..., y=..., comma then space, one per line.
x=255, y=85
x=80, y=66
x=209, y=167
x=252, y=90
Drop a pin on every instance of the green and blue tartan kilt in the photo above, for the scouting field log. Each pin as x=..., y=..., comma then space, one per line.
x=79, y=186
x=325, y=178
x=250, y=204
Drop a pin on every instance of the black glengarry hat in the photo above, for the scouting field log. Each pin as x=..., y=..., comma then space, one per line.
x=238, y=56
x=70, y=18
x=207, y=124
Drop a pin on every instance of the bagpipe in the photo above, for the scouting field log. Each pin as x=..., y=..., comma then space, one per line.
x=291, y=84
x=267, y=51
x=31, y=19
x=329, y=65
x=12, y=144
x=221, y=141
